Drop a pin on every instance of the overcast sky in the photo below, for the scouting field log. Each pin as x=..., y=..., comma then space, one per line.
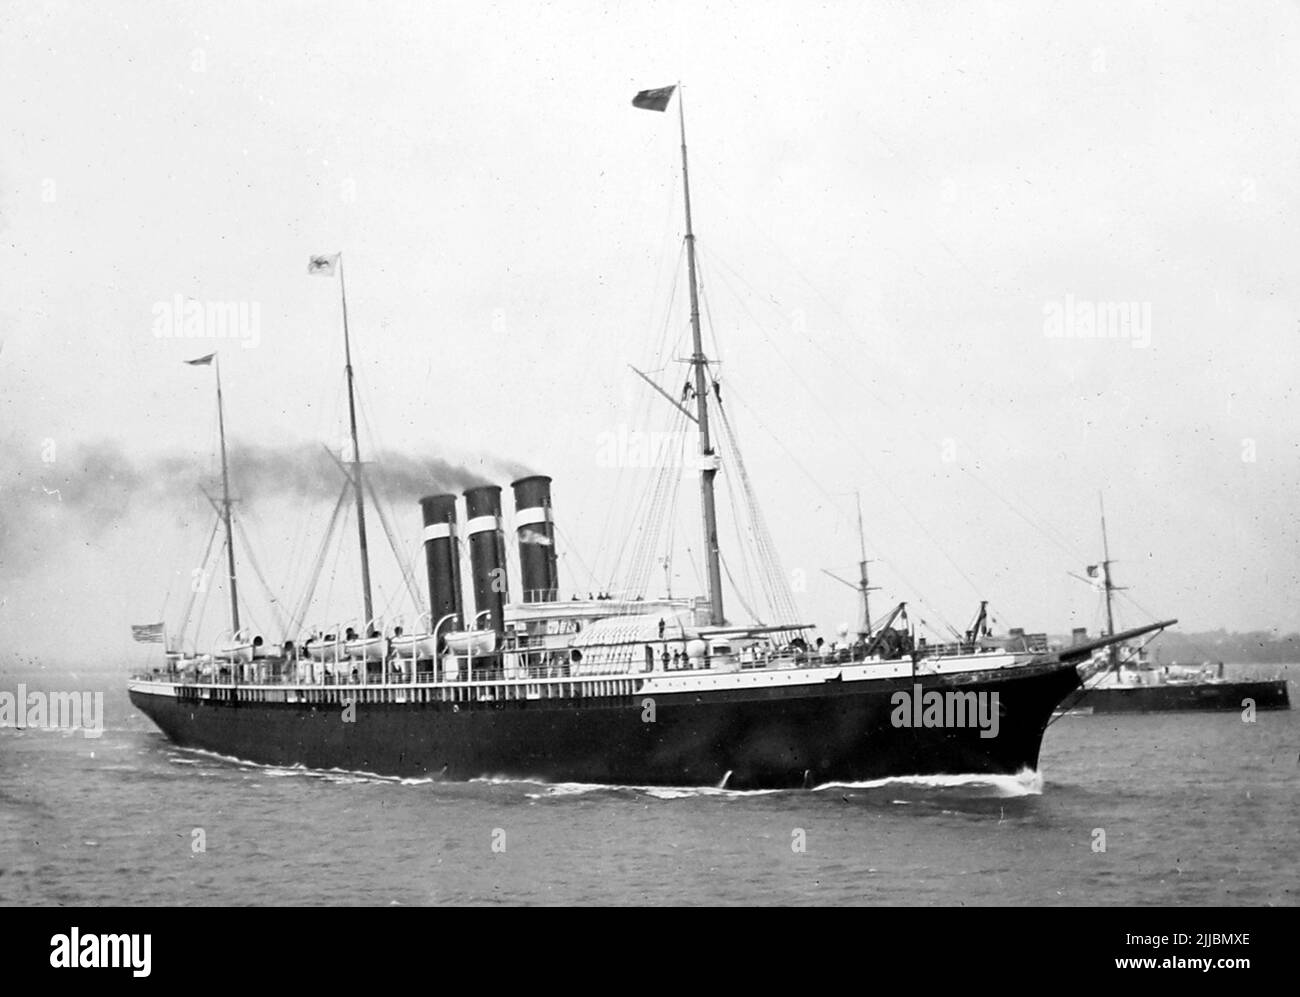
x=901, y=209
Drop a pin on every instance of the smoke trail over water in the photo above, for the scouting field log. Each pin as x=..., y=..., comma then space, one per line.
x=100, y=484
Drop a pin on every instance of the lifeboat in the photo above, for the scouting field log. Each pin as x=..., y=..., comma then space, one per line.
x=473, y=642
x=415, y=646
x=367, y=648
x=240, y=648
x=326, y=649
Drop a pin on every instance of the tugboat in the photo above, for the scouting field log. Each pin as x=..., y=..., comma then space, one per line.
x=1123, y=678
x=624, y=688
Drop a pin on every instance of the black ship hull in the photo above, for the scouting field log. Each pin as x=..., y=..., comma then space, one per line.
x=757, y=738
x=1170, y=697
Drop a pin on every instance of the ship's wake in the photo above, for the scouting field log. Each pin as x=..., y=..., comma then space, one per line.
x=561, y=789
x=1026, y=782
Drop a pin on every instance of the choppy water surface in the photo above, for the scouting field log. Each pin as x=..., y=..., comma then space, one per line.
x=1195, y=809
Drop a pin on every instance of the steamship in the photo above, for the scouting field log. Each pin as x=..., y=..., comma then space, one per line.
x=623, y=689
x=1123, y=678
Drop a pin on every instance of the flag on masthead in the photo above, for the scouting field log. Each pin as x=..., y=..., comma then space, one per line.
x=323, y=264
x=654, y=100
x=201, y=361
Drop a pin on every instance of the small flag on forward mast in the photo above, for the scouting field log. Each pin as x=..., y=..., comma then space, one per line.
x=323, y=265
x=147, y=633
x=201, y=361
x=654, y=100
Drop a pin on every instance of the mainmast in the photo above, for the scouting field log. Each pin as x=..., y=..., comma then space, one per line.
x=225, y=506
x=708, y=460
x=357, y=490
x=864, y=630
x=1113, y=650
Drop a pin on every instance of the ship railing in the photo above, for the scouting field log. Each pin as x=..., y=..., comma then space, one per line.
x=540, y=665
x=948, y=650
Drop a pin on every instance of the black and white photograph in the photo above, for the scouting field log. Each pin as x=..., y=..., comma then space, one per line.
x=670, y=454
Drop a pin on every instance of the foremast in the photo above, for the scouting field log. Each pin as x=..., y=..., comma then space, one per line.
x=223, y=510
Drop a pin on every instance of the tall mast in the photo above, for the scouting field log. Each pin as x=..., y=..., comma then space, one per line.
x=708, y=462
x=225, y=506
x=357, y=490
x=1105, y=569
x=865, y=629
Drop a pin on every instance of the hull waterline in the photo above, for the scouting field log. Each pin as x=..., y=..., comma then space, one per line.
x=1174, y=697
x=768, y=738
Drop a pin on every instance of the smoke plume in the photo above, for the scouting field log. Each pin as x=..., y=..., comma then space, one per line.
x=101, y=484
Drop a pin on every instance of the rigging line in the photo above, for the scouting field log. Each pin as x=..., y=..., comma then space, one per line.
x=621, y=477
x=276, y=608
x=741, y=547
x=304, y=603
x=1204, y=653
x=203, y=576
x=306, y=525
x=667, y=237
x=648, y=541
x=718, y=351
x=834, y=505
x=740, y=595
x=699, y=579
x=849, y=370
x=869, y=466
x=1081, y=693
x=647, y=524
x=383, y=509
x=675, y=466
x=635, y=532
x=571, y=549
x=307, y=560
x=671, y=540
x=203, y=606
x=388, y=612
x=663, y=346
x=782, y=599
x=750, y=526
x=790, y=264
x=333, y=574
x=162, y=612
x=408, y=572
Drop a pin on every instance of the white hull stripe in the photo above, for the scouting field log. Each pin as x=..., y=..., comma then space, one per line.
x=483, y=524
x=532, y=517
x=439, y=531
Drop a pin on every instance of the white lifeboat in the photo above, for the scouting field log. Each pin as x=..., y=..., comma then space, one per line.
x=472, y=642
x=368, y=648
x=415, y=645
x=326, y=649
x=241, y=648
